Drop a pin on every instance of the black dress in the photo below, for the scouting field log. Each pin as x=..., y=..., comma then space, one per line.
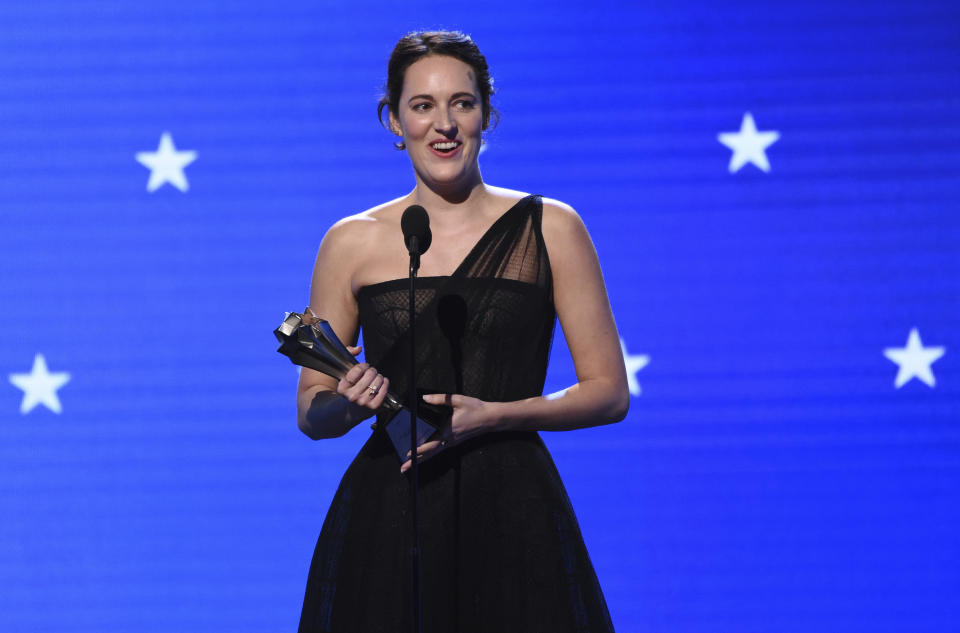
x=501, y=548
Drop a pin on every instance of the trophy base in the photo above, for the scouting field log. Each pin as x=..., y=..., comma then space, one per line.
x=397, y=427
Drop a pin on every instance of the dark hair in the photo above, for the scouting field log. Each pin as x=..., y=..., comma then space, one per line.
x=419, y=44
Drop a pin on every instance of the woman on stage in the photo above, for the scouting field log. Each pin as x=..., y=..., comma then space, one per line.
x=501, y=548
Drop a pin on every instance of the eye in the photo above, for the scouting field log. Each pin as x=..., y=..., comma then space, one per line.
x=420, y=107
x=464, y=104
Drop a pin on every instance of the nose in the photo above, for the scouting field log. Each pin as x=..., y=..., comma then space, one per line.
x=445, y=124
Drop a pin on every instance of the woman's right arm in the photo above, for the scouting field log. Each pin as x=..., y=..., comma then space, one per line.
x=327, y=407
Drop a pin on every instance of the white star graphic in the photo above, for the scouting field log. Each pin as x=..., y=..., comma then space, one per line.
x=633, y=363
x=166, y=164
x=748, y=145
x=40, y=386
x=914, y=360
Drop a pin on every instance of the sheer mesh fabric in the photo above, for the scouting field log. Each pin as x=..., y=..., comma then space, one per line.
x=471, y=325
x=501, y=548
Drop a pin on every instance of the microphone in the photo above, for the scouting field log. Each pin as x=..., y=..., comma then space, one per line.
x=415, y=224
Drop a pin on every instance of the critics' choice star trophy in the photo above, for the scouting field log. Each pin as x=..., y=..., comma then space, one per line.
x=310, y=342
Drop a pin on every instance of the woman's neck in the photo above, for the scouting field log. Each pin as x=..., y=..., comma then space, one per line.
x=451, y=204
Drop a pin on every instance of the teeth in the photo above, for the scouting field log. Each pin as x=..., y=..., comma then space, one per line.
x=443, y=146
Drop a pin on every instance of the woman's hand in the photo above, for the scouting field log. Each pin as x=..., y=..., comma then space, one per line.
x=363, y=386
x=470, y=417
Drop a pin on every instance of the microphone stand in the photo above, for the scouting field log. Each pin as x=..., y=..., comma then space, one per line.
x=414, y=465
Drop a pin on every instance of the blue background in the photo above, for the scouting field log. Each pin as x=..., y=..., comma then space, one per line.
x=770, y=477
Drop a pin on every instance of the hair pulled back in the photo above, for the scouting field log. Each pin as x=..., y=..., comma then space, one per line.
x=419, y=44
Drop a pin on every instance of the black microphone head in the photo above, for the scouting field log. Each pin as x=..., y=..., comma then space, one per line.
x=416, y=222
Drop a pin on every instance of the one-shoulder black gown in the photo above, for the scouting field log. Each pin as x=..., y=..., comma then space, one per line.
x=501, y=548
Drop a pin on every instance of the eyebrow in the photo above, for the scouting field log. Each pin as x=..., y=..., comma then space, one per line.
x=453, y=96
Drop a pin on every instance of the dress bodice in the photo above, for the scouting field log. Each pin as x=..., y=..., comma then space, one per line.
x=484, y=331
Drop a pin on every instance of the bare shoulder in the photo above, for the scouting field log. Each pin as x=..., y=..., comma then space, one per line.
x=354, y=231
x=365, y=247
x=562, y=226
x=558, y=212
x=352, y=242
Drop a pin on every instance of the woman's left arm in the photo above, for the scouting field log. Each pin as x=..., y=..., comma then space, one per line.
x=600, y=395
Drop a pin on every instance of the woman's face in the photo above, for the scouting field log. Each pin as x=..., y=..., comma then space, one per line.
x=440, y=117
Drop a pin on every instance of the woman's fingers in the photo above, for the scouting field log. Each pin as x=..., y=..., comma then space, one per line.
x=424, y=451
x=353, y=374
x=381, y=394
x=350, y=378
x=439, y=398
x=470, y=417
x=363, y=386
x=368, y=397
x=432, y=447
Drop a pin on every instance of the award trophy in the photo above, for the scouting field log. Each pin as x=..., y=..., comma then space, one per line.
x=311, y=342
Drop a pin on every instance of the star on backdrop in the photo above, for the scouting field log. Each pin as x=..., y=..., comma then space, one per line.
x=748, y=145
x=914, y=360
x=633, y=363
x=40, y=386
x=166, y=164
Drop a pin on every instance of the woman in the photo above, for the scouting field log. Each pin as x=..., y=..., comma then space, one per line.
x=501, y=549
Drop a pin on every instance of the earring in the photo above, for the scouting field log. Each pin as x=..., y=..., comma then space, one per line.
x=398, y=144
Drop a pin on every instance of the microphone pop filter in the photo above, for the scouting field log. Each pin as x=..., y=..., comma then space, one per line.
x=416, y=222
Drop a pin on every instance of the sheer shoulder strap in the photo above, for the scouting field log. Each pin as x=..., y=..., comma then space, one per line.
x=512, y=248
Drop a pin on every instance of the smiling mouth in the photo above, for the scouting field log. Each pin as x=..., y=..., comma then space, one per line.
x=445, y=147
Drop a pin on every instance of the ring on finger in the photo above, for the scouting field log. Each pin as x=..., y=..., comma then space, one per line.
x=373, y=390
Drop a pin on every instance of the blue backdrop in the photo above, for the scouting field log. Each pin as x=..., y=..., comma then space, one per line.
x=773, y=192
